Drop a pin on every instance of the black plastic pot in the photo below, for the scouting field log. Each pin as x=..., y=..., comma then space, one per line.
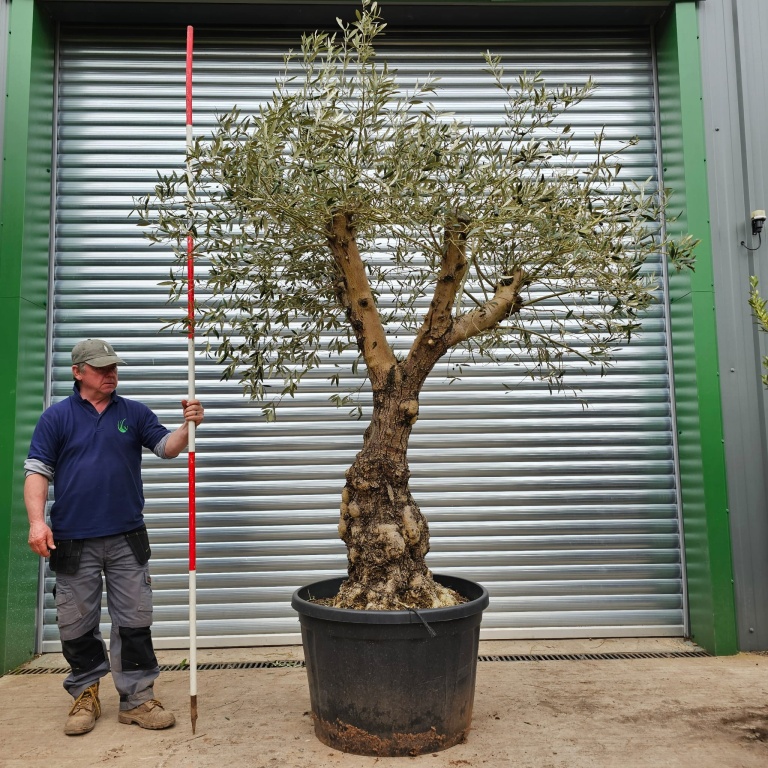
x=391, y=682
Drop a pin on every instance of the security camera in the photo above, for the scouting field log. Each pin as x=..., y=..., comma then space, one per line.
x=758, y=219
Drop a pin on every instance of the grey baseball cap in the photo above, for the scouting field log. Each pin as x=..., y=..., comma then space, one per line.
x=95, y=352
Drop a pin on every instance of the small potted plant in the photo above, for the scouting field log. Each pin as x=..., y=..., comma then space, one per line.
x=494, y=240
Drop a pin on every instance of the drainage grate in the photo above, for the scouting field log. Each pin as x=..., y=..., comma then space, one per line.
x=300, y=664
x=173, y=667
x=39, y=671
x=235, y=665
x=597, y=656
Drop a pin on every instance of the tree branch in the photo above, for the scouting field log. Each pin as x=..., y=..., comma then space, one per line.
x=355, y=295
x=505, y=302
x=437, y=322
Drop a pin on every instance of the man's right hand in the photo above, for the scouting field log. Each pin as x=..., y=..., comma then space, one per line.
x=40, y=535
x=40, y=539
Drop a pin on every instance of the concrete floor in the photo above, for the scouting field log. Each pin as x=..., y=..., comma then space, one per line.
x=623, y=713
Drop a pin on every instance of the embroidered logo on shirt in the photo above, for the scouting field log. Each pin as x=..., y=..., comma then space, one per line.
x=121, y=426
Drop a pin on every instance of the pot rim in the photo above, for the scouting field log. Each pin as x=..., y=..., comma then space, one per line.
x=477, y=602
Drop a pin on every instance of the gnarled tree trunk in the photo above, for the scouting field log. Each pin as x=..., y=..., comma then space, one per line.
x=386, y=535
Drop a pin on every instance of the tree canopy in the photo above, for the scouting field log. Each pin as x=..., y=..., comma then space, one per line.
x=348, y=210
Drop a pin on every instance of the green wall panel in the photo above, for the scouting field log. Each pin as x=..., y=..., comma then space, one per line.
x=24, y=246
x=694, y=345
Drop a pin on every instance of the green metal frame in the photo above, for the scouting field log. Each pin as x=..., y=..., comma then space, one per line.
x=24, y=241
x=24, y=254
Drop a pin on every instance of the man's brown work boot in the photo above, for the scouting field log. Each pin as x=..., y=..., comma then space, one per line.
x=150, y=715
x=85, y=712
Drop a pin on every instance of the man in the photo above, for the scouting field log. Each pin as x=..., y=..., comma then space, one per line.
x=90, y=446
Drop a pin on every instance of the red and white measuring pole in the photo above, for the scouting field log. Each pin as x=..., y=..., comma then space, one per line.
x=191, y=396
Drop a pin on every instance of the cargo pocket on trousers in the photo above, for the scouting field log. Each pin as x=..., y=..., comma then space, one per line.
x=67, y=610
x=145, y=598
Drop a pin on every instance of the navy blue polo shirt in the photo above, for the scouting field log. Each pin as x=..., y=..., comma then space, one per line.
x=96, y=458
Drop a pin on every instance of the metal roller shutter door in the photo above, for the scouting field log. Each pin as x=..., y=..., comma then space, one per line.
x=567, y=514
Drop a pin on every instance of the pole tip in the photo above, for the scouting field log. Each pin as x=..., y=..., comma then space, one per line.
x=193, y=712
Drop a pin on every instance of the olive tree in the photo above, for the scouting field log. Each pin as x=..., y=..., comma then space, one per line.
x=352, y=209
x=759, y=307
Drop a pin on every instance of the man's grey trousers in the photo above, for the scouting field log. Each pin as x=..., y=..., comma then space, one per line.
x=129, y=601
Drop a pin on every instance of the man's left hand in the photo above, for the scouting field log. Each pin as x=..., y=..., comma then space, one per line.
x=193, y=411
